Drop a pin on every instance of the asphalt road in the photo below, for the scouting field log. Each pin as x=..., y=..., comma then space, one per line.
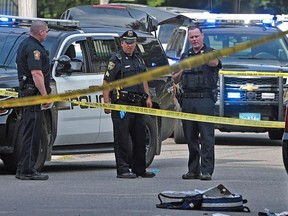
x=86, y=185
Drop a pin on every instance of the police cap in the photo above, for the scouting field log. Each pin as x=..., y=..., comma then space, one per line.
x=129, y=37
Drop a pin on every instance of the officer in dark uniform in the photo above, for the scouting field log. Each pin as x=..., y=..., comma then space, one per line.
x=34, y=79
x=123, y=64
x=198, y=95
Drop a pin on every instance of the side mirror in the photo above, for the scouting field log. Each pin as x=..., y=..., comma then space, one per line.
x=64, y=66
x=64, y=60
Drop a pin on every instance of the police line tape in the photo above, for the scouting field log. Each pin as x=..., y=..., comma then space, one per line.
x=171, y=114
x=183, y=116
x=253, y=73
x=193, y=61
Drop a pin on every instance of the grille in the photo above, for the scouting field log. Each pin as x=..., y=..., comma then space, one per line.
x=264, y=85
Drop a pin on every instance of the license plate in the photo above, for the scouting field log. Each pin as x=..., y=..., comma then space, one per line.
x=250, y=116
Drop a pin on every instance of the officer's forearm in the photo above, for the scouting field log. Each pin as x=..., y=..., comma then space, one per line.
x=146, y=88
x=106, y=94
x=38, y=79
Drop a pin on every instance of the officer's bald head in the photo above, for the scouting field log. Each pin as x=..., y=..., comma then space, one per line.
x=36, y=26
x=39, y=30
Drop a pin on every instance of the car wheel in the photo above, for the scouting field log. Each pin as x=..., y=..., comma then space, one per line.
x=11, y=160
x=151, y=139
x=275, y=134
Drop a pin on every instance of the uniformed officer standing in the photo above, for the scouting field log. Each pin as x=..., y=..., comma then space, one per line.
x=199, y=94
x=34, y=78
x=121, y=65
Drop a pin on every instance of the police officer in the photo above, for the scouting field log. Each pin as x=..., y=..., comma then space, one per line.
x=34, y=77
x=198, y=95
x=123, y=64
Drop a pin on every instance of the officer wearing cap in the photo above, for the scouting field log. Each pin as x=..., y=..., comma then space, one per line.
x=34, y=78
x=123, y=64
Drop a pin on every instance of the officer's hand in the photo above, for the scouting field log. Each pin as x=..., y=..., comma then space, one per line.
x=149, y=103
x=107, y=111
x=47, y=105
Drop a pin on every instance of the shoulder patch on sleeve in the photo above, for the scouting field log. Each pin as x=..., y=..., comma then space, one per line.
x=111, y=65
x=37, y=55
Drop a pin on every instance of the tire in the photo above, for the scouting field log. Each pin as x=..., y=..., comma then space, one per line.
x=275, y=134
x=151, y=139
x=285, y=155
x=178, y=132
x=10, y=161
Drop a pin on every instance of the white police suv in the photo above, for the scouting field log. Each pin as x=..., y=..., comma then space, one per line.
x=71, y=128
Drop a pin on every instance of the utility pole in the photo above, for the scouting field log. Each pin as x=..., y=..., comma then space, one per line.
x=27, y=8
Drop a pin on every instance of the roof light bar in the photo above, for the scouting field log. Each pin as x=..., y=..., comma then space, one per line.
x=236, y=18
x=27, y=21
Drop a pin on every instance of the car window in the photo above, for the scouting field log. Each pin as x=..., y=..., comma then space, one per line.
x=165, y=32
x=100, y=52
x=9, y=43
x=152, y=52
x=276, y=49
x=176, y=41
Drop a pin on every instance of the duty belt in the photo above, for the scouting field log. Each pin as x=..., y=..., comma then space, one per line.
x=196, y=95
x=132, y=97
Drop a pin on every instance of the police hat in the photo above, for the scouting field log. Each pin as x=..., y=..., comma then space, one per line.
x=129, y=37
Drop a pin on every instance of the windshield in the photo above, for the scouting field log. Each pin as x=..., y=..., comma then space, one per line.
x=9, y=42
x=274, y=50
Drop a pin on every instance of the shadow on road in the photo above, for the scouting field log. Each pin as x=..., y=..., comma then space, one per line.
x=246, y=139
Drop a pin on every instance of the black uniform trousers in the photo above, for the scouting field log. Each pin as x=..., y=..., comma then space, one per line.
x=131, y=125
x=201, y=149
x=32, y=123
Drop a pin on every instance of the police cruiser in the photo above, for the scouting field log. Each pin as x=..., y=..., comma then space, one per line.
x=243, y=97
x=79, y=58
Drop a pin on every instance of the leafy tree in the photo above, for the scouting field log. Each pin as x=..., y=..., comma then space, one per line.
x=54, y=8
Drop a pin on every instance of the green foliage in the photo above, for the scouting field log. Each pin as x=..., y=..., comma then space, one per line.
x=54, y=8
x=155, y=3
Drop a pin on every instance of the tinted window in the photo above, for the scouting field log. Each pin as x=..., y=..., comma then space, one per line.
x=177, y=41
x=9, y=43
x=276, y=49
x=152, y=52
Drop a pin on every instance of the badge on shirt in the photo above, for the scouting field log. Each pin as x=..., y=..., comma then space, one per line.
x=36, y=55
x=107, y=74
x=111, y=65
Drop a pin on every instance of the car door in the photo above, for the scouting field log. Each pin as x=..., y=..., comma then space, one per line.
x=77, y=124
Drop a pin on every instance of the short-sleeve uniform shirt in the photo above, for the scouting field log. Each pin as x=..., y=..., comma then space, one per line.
x=31, y=55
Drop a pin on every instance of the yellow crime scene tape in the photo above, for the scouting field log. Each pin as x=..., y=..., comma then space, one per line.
x=184, y=116
x=172, y=114
x=253, y=73
x=193, y=61
x=155, y=73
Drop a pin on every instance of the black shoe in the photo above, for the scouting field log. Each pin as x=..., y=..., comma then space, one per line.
x=128, y=175
x=33, y=176
x=206, y=177
x=190, y=176
x=146, y=175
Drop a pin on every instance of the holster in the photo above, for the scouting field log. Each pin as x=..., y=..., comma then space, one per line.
x=129, y=97
x=29, y=90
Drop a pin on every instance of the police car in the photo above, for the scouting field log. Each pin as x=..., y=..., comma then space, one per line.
x=71, y=128
x=244, y=97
